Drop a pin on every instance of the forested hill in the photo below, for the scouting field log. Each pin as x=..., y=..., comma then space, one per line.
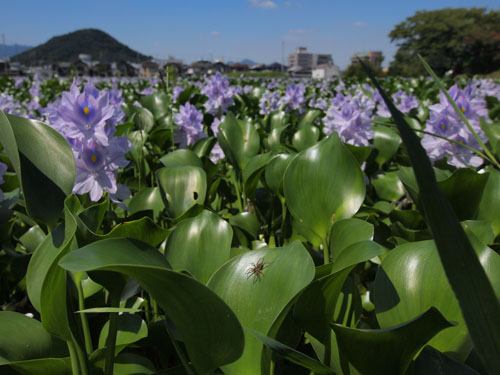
x=67, y=47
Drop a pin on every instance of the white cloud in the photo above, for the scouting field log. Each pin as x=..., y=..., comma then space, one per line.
x=359, y=24
x=263, y=3
x=301, y=31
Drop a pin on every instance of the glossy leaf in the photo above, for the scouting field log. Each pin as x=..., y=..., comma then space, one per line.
x=386, y=142
x=258, y=299
x=239, y=140
x=388, y=186
x=292, y=355
x=246, y=221
x=200, y=245
x=322, y=184
x=23, y=338
x=307, y=134
x=182, y=188
x=388, y=351
x=147, y=199
x=252, y=172
x=489, y=206
x=131, y=328
x=346, y=232
x=181, y=158
x=200, y=316
x=431, y=361
x=156, y=103
x=411, y=279
x=44, y=163
x=275, y=170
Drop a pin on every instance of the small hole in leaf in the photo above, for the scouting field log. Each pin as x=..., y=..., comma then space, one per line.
x=195, y=195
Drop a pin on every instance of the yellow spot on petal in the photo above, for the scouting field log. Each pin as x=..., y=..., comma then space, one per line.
x=443, y=126
x=345, y=111
x=86, y=110
x=346, y=137
x=93, y=158
x=463, y=109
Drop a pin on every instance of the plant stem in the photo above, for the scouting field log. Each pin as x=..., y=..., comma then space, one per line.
x=83, y=317
x=75, y=365
x=112, y=332
x=326, y=251
x=180, y=353
x=237, y=187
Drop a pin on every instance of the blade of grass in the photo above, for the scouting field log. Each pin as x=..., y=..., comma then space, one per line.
x=490, y=157
x=467, y=278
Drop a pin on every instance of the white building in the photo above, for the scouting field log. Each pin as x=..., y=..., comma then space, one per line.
x=301, y=63
x=325, y=71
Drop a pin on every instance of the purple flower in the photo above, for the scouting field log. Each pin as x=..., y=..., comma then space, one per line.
x=404, y=102
x=9, y=104
x=445, y=122
x=84, y=115
x=268, y=102
x=219, y=93
x=294, y=97
x=176, y=92
x=351, y=122
x=189, y=119
x=97, y=166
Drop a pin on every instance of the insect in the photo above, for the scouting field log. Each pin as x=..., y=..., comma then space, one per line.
x=256, y=269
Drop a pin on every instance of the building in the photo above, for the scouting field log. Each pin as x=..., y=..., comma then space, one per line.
x=373, y=57
x=301, y=63
x=325, y=71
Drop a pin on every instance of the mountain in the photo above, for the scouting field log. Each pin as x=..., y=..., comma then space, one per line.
x=248, y=62
x=67, y=47
x=11, y=50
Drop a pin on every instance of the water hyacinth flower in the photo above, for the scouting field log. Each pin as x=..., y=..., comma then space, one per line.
x=268, y=102
x=217, y=153
x=351, y=122
x=9, y=104
x=219, y=93
x=403, y=102
x=294, y=97
x=88, y=120
x=189, y=119
x=445, y=122
x=176, y=92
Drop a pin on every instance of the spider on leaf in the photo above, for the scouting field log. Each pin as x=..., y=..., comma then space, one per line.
x=256, y=270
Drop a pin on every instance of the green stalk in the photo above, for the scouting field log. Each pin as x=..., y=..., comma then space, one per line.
x=111, y=339
x=490, y=157
x=180, y=353
x=326, y=251
x=83, y=317
x=75, y=365
x=234, y=179
x=283, y=218
x=82, y=358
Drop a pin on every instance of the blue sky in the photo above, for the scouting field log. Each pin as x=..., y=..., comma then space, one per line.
x=228, y=30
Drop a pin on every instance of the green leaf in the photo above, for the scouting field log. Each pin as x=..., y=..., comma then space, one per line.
x=181, y=158
x=182, y=188
x=43, y=366
x=259, y=299
x=386, y=141
x=388, y=351
x=156, y=103
x=44, y=163
x=252, y=172
x=147, y=199
x=307, y=134
x=23, y=338
x=275, y=171
x=455, y=251
x=246, y=221
x=431, y=361
x=46, y=281
x=200, y=245
x=489, y=206
x=32, y=238
x=388, y=186
x=142, y=117
x=411, y=279
x=291, y=354
x=322, y=184
x=130, y=328
x=199, y=315
x=239, y=140
x=346, y=232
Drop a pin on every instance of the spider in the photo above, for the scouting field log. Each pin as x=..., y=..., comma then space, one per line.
x=256, y=269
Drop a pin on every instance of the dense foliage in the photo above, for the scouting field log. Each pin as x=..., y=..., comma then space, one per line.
x=464, y=40
x=249, y=226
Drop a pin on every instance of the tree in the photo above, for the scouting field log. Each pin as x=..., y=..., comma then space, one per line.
x=355, y=70
x=466, y=41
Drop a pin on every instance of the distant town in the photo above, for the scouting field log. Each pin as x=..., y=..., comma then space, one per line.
x=301, y=63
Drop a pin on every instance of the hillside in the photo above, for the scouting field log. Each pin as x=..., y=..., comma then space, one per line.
x=67, y=47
